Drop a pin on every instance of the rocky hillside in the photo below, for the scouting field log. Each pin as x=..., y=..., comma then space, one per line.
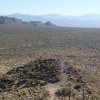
x=34, y=75
x=46, y=79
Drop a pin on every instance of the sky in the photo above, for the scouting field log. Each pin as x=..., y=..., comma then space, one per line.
x=40, y=7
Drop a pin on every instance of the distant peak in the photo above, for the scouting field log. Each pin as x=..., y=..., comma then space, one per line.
x=49, y=23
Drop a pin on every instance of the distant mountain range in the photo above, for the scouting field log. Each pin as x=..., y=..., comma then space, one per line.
x=88, y=20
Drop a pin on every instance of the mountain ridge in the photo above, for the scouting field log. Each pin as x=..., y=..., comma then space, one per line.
x=12, y=20
x=87, y=20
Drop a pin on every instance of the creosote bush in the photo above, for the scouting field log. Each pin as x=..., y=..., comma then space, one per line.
x=63, y=92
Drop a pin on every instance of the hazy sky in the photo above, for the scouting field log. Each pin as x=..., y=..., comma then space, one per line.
x=39, y=7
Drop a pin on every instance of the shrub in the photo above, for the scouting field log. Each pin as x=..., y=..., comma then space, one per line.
x=63, y=92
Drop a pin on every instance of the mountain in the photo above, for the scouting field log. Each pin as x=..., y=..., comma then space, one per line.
x=88, y=20
x=12, y=20
x=89, y=17
x=25, y=17
x=7, y=20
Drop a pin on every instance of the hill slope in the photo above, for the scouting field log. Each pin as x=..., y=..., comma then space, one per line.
x=49, y=75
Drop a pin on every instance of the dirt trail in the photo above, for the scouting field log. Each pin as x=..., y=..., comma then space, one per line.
x=52, y=88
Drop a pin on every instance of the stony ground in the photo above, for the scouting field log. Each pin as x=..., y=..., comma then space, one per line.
x=83, y=66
